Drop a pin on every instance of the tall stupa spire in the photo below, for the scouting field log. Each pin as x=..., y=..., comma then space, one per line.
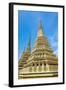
x=40, y=32
x=28, y=48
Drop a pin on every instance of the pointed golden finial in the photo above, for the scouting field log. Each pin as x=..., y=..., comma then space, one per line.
x=40, y=32
x=40, y=24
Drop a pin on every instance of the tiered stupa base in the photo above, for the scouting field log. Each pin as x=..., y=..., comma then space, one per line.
x=37, y=75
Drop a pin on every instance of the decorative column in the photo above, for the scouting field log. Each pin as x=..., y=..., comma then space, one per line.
x=34, y=67
x=47, y=66
x=40, y=67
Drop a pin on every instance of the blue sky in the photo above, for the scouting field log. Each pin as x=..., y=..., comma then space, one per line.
x=28, y=22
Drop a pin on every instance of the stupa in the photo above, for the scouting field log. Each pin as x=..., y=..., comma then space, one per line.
x=41, y=62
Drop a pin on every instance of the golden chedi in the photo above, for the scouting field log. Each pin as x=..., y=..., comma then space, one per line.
x=40, y=62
